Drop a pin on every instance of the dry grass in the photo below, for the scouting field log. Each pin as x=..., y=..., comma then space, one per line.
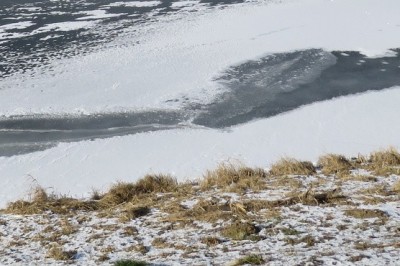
x=209, y=210
x=396, y=186
x=250, y=260
x=159, y=242
x=284, y=182
x=126, y=192
x=211, y=241
x=365, y=213
x=309, y=240
x=289, y=166
x=384, y=162
x=232, y=178
x=42, y=202
x=240, y=231
x=333, y=164
x=361, y=178
x=133, y=212
x=389, y=157
x=378, y=189
x=120, y=193
x=130, y=231
x=57, y=253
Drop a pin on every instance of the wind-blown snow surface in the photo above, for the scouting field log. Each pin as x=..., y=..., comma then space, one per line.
x=178, y=58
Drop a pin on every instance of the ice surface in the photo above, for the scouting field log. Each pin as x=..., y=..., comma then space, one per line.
x=179, y=58
x=347, y=125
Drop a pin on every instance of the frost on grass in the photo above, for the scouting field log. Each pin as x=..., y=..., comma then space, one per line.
x=345, y=210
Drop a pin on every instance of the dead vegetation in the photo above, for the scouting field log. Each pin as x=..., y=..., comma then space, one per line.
x=209, y=210
x=121, y=193
x=56, y=252
x=366, y=213
x=42, y=202
x=257, y=200
x=211, y=241
x=126, y=192
x=309, y=240
x=251, y=259
x=385, y=162
x=289, y=166
x=309, y=197
x=229, y=177
x=239, y=230
x=333, y=164
x=396, y=186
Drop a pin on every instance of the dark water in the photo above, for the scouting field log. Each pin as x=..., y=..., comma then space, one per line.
x=259, y=88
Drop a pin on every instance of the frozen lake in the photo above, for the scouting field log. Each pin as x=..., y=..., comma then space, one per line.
x=259, y=88
x=35, y=35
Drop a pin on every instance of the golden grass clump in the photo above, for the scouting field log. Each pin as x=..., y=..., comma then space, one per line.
x=42, y=202
x=385, y=162
x=125, y=192
x=156, y=183
x=289, y=166
x=334, y=164
x=234, y=179
x=389, y=157
x=57, y=253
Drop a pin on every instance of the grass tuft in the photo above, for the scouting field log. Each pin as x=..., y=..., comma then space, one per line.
x=234, y=179
x=211, y=241
x=130, y=263
x=389, y=157
x=333, y=164
x=250, y=260
x=396, y=186
x=125, y=192
x=385, y=162
x=57, y=253
x=133, y=212
x=365, y=213
x=240, y=230
x=42, y=202
x=289, y=166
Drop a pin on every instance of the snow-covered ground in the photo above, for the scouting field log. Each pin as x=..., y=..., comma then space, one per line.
x=358, y=224
x=178, y=57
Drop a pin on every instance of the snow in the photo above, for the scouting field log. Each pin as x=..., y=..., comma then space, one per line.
x=186, y=52
x=184, y=4
x=16, y=26
x=348, y=125
x=135, y=4
x=336, y=237
x=97, y=14
x=179, y=57
x=64, y=26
